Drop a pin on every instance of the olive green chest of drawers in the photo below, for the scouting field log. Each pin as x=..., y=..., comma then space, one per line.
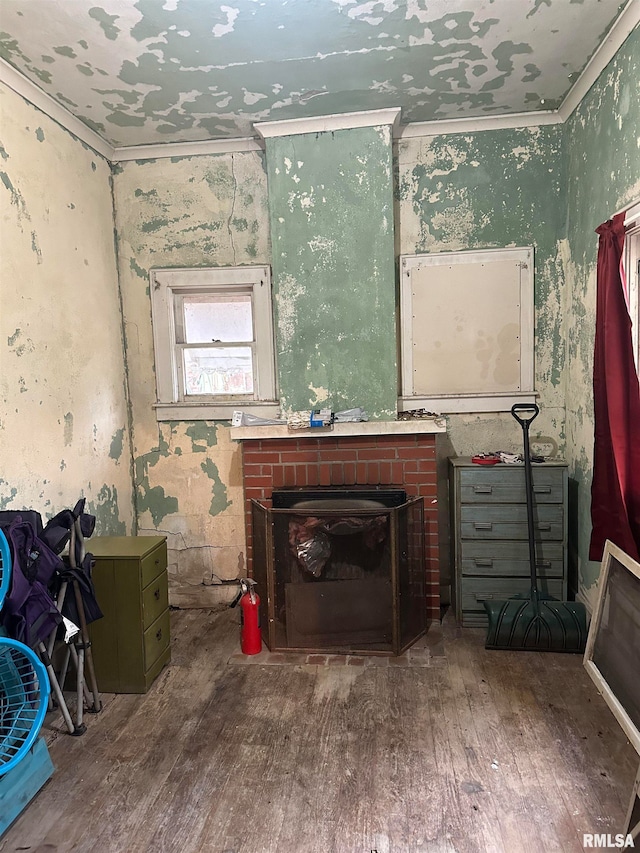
x=490, y=536
x=130, y=645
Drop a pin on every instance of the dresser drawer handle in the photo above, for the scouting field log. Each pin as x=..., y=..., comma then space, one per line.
x=156, y=594
x=542, y=490
x=544, y=526
x=483, y=525
x=544, y=564
x=483, y=596
x=159, y=634
x=483, y=490
x=483, y=561
x=157, y=562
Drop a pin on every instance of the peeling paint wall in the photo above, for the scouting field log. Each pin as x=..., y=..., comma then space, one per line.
x=331, y=209
x=495, y=189
x=63, y=423
x=186, y=212
x=603, y=145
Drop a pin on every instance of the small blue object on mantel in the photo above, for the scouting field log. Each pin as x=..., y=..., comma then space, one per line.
x=20, y=784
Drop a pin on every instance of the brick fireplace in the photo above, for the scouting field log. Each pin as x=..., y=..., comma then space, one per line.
x=391, y=454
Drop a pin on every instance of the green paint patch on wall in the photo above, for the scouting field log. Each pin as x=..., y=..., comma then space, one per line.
x=219, y=501
x=105, y=509
x=201, y=431
x=40, y=134
x=154, y=225
x=156, y=502
x=331, y=216
x=117, y=443
x=137, y=269
x=489, y=189
x=68, y=429
x=16, y=196
x=35, y=247
x=153, y=498
x=7, y=495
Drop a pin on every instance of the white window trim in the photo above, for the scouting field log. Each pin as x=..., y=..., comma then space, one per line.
x=168, y=283
x=468, y=403
x=632, y=273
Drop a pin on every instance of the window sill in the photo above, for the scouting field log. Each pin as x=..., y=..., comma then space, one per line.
x=461, y=404
x=222, y=411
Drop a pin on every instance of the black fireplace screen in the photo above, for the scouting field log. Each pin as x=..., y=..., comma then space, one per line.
x=340, y=574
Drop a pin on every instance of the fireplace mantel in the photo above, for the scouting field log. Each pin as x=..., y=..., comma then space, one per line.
x=416, y=426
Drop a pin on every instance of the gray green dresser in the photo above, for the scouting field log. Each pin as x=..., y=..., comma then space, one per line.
x=130, y=645
x=490, y=557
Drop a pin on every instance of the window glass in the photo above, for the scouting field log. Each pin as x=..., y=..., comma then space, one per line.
x=214, y=318
x=218, y=370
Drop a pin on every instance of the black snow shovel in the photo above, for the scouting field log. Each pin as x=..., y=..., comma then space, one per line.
x=539, y=623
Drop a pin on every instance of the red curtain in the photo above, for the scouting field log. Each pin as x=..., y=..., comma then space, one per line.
x=615, y=489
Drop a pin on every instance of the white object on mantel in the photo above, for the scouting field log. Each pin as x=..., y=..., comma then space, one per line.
x=415, y=426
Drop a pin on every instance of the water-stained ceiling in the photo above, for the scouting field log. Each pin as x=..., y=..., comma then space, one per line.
x=147, y=71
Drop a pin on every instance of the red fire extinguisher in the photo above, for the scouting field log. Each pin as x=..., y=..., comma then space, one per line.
x=250, y=632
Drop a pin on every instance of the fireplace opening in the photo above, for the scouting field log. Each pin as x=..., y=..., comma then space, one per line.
x=343, y=570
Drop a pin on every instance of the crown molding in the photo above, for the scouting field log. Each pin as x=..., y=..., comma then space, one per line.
x=20, y=84
x=624, y=25
x=187, y=149
x=323, y=124
x=478, y=123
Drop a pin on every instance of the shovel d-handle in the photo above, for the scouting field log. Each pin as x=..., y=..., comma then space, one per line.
x=524, y=408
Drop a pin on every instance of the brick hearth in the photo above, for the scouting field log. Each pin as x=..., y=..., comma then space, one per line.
x=406, y=461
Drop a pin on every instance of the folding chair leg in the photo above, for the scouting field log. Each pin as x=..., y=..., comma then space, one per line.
x=55, y=686
x=85, y=689
x=86, y=648
x=79, y=685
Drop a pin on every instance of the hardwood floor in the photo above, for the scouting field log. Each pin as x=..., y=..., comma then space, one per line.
x=477, y=751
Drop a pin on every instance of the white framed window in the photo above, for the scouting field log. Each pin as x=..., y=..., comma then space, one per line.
x=631, y=262
x=213, y=342
x=467, y=330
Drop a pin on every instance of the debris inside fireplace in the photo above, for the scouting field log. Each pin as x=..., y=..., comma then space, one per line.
x=310, y=537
